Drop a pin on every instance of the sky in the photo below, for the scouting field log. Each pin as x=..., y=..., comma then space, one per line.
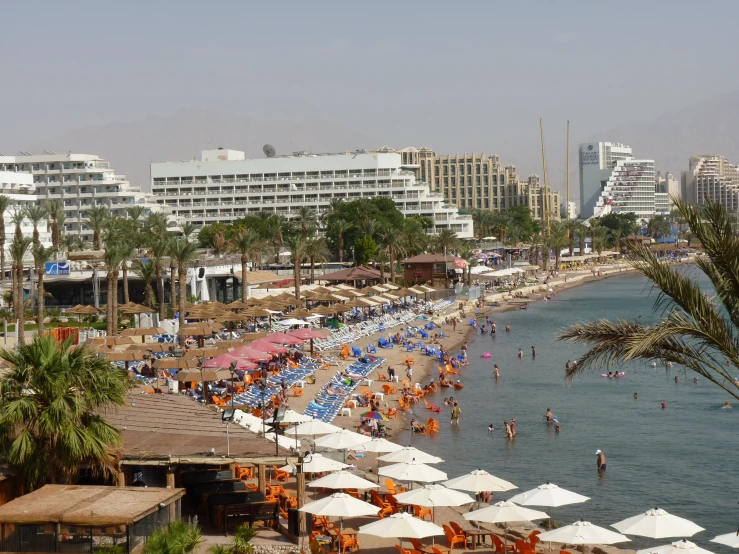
x=457, y=76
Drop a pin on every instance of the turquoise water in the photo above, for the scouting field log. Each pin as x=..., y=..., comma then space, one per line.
x=680, y=459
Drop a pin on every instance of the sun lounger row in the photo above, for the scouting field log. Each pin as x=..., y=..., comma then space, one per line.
x=326, y=406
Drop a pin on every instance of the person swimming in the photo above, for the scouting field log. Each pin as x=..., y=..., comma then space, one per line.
x=507, y=327
x=549, y=416
x=664, y=405
x=491, y=428
x=520, y=352
x=568, y=365
x=496, y=372
x=726, y=406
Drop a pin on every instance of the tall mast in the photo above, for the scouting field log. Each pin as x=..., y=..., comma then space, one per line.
x=568, y=171
x=545, y=197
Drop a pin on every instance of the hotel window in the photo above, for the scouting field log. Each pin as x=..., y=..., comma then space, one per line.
x=469, y=168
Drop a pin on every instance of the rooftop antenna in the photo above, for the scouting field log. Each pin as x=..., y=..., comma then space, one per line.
x=568, y=171
x=269, y=151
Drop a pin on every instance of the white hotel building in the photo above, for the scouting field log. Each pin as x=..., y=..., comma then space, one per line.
x=81, y=181
x=224, y=186
x=19, y=188
x=612, y=180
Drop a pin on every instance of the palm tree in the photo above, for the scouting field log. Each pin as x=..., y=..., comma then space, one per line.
x=112, y=256
x=307, y=220
x=599, y=235
x=694, y=330
x=128, y=249
x=55, y=211
x=158, y=248
x=172, y=273
x=558, y=239
x=96, y=218
x=135, y=213
x=18, y=250
x=334, y=205
x=182, y=251
x=275, y=230
x=4, y=205
x=658, y=226
x=446, y=241
x=72, y=243
x=49, y=430
x=369, y=227
x=147, y=272
x=467, y=253
x=35, y=214
x=182, y=537
x=314, y=253
x=17, y=218
x=41, y=255
x=297, y=245
x=392, y=244
x=341, y=227
x=188, y=228
x=246, y=242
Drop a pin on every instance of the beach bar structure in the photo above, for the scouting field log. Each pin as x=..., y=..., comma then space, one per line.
x=78, y=518
x=431, y=268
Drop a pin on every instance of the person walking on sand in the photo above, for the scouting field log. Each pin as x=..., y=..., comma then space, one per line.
x=456, y=413
x=454, y=323
x=600, y=460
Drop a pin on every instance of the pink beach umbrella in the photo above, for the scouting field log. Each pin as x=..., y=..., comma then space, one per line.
x=224, y=362
x=266, y=346
x=249, y=353
x=282, y=338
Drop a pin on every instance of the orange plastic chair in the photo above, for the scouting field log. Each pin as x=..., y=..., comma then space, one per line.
x=243, y=472
x=393, y=503
x=416, y=544
x=381, y=377
x=280, y=475
x=393, y=488
x=389, y=389
x=457, y=529
x=453, y=539
x=533, y=538
x=500, y=547
x=421, y=512
x=523, y=547
x=347, y=543
x=297, y=391
x=392, y=413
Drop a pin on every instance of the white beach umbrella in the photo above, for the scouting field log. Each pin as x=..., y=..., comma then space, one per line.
x=342, y=440
x=583, y=532
x=378, y=444
x=291, y=416
x=413, y=471
x=340, y=505
x=402, y=526
x=549, y=495
x=679, y=547
x=343, y=480
x=284, y=442
x=504, y=512
x=657, y=524
x=317, y=463
x=729, y=539
x=478, y=481
x=312, y=427
x=408, y=454
x=430, y=496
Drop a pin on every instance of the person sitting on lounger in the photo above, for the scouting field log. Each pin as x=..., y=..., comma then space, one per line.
x=417, y=427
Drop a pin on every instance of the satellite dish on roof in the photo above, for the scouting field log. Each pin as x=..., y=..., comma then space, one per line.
x=269, y=151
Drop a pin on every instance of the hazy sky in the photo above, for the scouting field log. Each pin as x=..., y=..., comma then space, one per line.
x=458, y=76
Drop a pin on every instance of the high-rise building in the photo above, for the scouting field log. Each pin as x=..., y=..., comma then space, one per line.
x=470, y=181
x=80, y=181
x=711, y=178
x=668, y=185
x=19, y=188
x=224, y=186
x=630, y=189
x=597, y=160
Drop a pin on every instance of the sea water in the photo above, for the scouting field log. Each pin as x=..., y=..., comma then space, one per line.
x=681, y=459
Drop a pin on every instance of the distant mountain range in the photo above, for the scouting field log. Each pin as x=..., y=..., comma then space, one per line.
x=710, y=126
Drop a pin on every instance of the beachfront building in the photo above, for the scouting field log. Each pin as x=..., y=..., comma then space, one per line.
x=597, y=160
x=668, y=185
x=630, y=189
x=81, y=181
x=479, y=181
x=711, y=178
x=18, y=186
x=223, y=185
